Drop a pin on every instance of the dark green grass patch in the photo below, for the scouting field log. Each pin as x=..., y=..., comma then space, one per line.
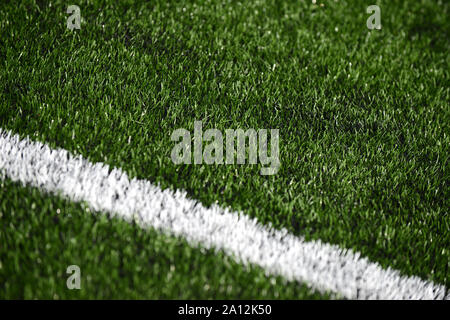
x=363, y=115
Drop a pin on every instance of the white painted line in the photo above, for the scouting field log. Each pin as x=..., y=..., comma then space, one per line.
x=321, y=266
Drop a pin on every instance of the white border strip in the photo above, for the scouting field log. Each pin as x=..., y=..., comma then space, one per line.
x=324, y=267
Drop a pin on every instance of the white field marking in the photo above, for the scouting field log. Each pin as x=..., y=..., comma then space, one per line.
x=321, y=266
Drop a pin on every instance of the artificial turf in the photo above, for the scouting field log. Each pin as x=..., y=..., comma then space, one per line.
x=117, y=260
x=363, y=118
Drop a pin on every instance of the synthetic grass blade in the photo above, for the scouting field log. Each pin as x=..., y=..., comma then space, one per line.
x=322, y=266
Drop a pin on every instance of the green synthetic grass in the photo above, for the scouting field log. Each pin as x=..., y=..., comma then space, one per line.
x=118, y=260
x=363, y=119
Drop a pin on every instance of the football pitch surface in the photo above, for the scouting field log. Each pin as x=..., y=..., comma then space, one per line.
x=363, y=118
